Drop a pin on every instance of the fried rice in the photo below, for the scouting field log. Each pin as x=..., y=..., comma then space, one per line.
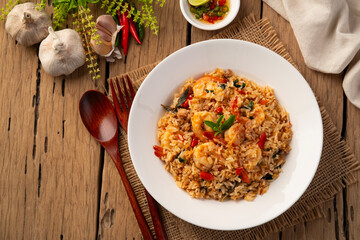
x=224, y=136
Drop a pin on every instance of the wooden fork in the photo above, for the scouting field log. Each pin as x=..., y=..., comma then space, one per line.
x=123, y=117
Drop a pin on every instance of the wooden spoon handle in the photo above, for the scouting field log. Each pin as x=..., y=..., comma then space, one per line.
x=154, y=211
x=145, y=230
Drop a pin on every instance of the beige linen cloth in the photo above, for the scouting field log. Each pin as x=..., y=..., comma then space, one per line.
x=328, y=33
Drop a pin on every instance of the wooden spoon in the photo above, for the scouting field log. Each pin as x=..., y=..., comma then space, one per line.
x=98, y=116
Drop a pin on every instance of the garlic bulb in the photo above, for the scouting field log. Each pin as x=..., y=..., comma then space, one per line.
x=107, y=30
x=61, y=52
x=27, y=25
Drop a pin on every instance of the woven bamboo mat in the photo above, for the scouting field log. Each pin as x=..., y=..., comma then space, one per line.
x=336, y=168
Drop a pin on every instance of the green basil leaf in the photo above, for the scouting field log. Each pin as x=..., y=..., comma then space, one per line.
x=211, y=124
x=220, y=120
x=207, y=91
x=181, y=160
x=237, y=85
x=223, y=86
x=228, y=123
x=243, y=86
x=251, y=105
x=183, y=98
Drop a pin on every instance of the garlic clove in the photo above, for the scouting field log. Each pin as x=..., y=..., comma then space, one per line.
x=104, y=34
x=103, y=48
x=107, y=22
x=107, y=30
x=61, y=52
x=27, y=25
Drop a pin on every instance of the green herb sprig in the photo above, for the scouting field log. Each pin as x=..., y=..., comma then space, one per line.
x=221, y=126
x=250, y=106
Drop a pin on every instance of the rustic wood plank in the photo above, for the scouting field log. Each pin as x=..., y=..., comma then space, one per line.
x=51, y=164
x=352, y=224
x=117, y=220
x=323, y=85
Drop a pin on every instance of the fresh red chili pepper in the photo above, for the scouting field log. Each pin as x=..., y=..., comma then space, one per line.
x=221, y=2
x=133, y=31
x=180, y=137
x=194, y=141
x=206, y=176
x=242, y=92
x=219, y=110
x=123, y=20
x=290, y=123
x=209, y=135
x=262, y=140
x=159, y=151
x=206, y=17
x=264, y=101
x=235, y=109
x=186, y=103
x=243, y=174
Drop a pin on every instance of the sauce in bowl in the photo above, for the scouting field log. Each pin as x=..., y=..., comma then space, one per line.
x=211, y=12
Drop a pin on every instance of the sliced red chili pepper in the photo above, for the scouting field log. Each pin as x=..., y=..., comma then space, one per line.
x=180, y=137
x=221, y=2
x=206, y=176
x=262, y=140
x=238, y=170
x=290, y=123
x=209, y=135
x=186, y=103
x=235, y=109
x=241, y=92
x=243, y=174
x=159, y=151
x=194, y=141
x=264, y=101
x=219, y=110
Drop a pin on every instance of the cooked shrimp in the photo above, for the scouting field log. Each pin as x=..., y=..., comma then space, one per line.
x=205, y=155
x=259, y=116
x=254, y=157
x=235, y=135
x=198, y=126
x=258, y=119
x=207, y=83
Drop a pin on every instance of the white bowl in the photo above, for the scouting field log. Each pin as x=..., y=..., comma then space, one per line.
x=234, y=7
x=264, y=67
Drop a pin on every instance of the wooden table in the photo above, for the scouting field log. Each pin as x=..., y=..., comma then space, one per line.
x=57, y=183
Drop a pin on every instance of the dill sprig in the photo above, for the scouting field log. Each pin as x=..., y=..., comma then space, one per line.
x=85, y=26
x=8, y=7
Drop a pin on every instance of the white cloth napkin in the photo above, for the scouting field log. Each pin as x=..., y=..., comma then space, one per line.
x=328, y=33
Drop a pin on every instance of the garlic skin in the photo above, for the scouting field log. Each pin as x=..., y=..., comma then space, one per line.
x=61, y=52
x=107, y=30
x=27, y=25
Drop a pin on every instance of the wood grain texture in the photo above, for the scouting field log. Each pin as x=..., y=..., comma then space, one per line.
x=49, y=190
x=116, y=219
x=323, y=86
x=352, y=229
x=57, y=183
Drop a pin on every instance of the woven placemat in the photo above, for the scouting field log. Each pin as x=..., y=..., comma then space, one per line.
x=335, y=170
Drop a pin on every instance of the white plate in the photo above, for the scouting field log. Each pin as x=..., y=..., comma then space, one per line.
x=264, y=67
x=234, y=6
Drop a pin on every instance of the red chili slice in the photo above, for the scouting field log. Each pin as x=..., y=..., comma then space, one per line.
x=243, y=174
x=219, y=110
x=206, y=176
x=262, y=140
x=194, y=141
